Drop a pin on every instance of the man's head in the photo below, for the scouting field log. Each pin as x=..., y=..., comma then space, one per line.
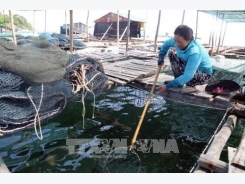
x=182, y=36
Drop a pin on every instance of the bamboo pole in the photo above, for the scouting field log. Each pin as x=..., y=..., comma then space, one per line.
x=145, y=108
x=158, y=25
x=65, y=23
x=217, y=51
x=45, y=29
x=196, y=24
x=87, y=26
x=12, y=26
x=71, y=31
x=226, y=23
x=128, y=31
x=118, y=28
x=183, y=17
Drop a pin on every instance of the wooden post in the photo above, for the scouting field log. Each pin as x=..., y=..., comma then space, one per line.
x=118, y=28
x=213, y=35
x=71, y=31
x=33, y=22
x=211, y=31
x=45, y=29
x=12, y=27
x=217, y=20
x=183, y=17
x=158, y=24
x=106, y=32
x=224, y=33
x=221, y=137
x=65, y=23
x=145, y=24
x=196, y=24
x=217, y=51
x=128, y=31
x=87, y=26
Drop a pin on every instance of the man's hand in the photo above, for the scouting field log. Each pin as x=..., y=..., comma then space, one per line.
x=161, y=89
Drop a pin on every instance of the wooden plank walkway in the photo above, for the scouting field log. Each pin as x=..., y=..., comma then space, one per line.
x=141, y=74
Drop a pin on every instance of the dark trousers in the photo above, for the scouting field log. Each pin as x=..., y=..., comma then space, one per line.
x=178, y=68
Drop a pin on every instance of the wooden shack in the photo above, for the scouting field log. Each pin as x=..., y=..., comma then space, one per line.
x=108, y=23
x=79, y=28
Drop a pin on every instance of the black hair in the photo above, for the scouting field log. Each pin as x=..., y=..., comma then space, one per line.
x=184, y=31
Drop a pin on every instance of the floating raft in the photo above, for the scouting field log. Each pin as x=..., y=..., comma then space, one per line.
x=141, y=74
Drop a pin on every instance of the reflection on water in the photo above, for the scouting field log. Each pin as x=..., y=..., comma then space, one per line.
x=117, y=113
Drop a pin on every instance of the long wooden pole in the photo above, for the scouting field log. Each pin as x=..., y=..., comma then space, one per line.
x=224, y=33
x=65, y=23
x=118, y=28
x=145, y=108
x=196, y=24
x=12, y=27
x=158, y=25
x=87, y=26
x=128, y=31
x=33, y=22
x=45, y=29
x=183, y=17
x=217, y=20
x=220, y=31
x=71, y=31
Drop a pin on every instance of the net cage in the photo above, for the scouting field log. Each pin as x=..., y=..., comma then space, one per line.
x=37, y=79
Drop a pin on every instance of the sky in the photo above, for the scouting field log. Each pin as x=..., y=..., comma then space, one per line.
x=170, y=19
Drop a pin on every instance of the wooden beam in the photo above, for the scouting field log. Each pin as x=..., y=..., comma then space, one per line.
x=87, y=26
x=118, y=28
x=33, y=22
x=65, y=23
x=212, y=164
x=226, y=23
x=12, y=27
x=71, y=31
x=217, y=51
x=221, y=137
x=106, y=32
x=183, y=17
x=45, y=20
x=128, y=31
x=158, y=25
x=196, y=24
x=239, y=158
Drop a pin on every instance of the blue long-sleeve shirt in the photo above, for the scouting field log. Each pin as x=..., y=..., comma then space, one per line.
x=195, y=56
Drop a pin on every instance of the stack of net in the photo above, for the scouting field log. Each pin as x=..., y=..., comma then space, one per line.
x=37, y=79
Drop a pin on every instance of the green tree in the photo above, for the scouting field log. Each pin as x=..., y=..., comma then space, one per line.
x=19, y=21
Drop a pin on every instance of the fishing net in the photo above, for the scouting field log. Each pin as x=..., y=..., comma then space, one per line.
x=228, y=69
x=37, y=79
